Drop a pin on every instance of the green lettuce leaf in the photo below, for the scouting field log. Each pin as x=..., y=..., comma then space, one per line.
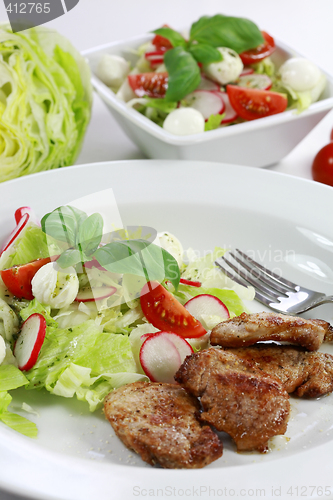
x=45, y=101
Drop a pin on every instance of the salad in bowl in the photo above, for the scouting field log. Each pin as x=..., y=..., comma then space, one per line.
x=220, y=73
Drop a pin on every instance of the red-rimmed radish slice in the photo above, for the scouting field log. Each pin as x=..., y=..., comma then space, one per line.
x=229, y=113
x=255, y=81
x=247, y=70
x=155, y=57
x=189, y=282
x=207, y=102
x=207, y=305
x=97, y=293
x=20, y=212
x=94, y=263
x=207, y=84
x=17, y=231
x=29, y=341
x=162, y=354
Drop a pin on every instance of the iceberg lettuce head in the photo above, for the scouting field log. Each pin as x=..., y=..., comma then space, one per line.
x=45, y=101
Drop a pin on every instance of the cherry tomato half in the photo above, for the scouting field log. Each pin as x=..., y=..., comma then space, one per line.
x=161, y=42
x=164, y=311
x=251, y=104
x=259, y=53
x=322, y=167
x=18, y=278
x=149, y=84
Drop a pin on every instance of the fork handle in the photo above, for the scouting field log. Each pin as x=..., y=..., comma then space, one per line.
x=324, y=300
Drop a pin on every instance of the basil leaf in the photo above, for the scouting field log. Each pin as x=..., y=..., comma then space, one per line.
x=63, y=224
x=184, y=73
x=213, y=122
x=69, y=257
x=176, y=39
x=236, y=33
x=90, y=233
x=139, y=257
x=204, y=53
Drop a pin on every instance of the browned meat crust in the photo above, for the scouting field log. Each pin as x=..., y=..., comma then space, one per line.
x=247, y=329
x=304, y=373
x=237, y=398
x=158, y=421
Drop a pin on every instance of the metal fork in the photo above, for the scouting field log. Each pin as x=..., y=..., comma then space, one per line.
x=278, y=293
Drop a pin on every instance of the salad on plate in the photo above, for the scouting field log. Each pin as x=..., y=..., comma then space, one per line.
x=77, y=306
x=218, y=74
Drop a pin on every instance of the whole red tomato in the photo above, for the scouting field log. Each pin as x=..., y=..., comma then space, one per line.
x=322, y=167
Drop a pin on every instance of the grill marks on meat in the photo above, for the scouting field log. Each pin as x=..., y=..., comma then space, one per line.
x=304, y=373
x=237, y=398
x=247, y=329
x=159, y=422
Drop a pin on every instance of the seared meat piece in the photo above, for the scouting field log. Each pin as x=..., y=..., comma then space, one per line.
x=159, y=422
x=247, y=329
x=237, y=398
x=305, y=373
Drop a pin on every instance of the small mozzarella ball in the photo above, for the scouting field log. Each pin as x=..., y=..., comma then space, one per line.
x=299, y=74
x=54, y=286
x=184, y=121
x=112, y=70
x=2, y=349
x=227, y=70
x=171, y=244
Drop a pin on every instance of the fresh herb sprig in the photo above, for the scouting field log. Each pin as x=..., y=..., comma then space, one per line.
x=206, y=35
x=83, y=236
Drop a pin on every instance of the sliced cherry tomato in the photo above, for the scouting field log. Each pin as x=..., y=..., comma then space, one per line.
x=160, y=42
x=322, y=167
x=149, y=84
x=164, y=311
x=18, y=278
x=251, y=104
x=263, y=50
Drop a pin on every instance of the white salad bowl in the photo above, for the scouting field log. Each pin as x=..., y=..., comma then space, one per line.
x=258, y=143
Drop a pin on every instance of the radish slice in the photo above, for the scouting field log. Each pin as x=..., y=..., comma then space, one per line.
x=255, y=81
x=207, y=307
x=20, y=212
x=206, y=102
x=30, y=341
x=17, y=231
x=247, y=70
x=162, y=354
x=229, y=113
x=98, y=293
x=206, y=84
x=89, y=264
x=189, y=282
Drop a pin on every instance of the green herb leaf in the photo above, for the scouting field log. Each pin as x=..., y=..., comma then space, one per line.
x=90, y=233
x=63, y=224
x=184, y=73
x=236, y=33
x=69, y=257
x=139, y=257
x=213, y=122
x=204, y=53
x=176, y=39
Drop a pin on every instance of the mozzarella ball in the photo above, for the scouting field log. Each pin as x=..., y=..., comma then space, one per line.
x=299, y=74
x=227, y=70
x=54, y=286
x=184, y=121
x=2, y=349
x=112, y=70
x=171, y=244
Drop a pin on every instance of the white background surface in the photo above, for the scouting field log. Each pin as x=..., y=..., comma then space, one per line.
x=305, y=25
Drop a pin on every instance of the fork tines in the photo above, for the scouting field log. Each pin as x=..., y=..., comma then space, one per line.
x=269, y=286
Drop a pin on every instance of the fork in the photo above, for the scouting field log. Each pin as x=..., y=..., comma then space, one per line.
x=279, y=294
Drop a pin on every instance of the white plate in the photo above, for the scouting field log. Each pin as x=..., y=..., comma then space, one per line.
x=275, y=216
